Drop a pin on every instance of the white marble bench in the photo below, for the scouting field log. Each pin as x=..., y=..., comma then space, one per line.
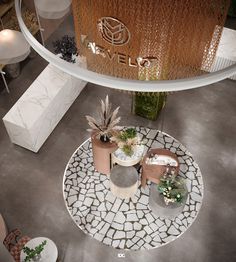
x=34, y=116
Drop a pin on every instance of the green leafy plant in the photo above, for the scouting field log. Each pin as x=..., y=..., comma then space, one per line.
x=127, y=140
x=127, y=134
x=172, y=187
x=105, y=125
x=33, y=252
x=148, y=105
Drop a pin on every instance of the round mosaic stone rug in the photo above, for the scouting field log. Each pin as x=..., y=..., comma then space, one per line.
x=130, y=223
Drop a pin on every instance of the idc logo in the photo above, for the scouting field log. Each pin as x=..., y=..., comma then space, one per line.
x=121, y=255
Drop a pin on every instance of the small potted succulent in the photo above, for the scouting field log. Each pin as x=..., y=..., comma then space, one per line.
x=172, y=188
x=130, y=148
x=127, y=140
x=34, y=254
x=102, y=130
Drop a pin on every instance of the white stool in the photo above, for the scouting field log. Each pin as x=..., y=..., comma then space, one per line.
x=123, y=181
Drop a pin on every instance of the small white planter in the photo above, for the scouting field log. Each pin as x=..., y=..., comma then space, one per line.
x=120, y=158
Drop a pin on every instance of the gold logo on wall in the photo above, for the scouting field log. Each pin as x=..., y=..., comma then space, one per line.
x=113, y=31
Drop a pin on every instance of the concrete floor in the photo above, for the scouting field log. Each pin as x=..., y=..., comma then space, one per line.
x=204, y=120
x=31, y=198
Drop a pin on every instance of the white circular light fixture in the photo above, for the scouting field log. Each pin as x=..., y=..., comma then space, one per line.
x=120, y=83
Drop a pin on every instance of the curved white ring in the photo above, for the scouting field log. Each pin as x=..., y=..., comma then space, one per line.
x=119, y=83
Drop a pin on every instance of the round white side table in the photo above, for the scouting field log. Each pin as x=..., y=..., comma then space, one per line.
x=119, y=157
x=50, y=252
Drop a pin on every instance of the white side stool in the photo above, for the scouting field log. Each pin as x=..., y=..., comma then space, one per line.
x=123, y=181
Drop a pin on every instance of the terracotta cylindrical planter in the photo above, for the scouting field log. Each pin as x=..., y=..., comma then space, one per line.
x=154, y=172
x=102, y=154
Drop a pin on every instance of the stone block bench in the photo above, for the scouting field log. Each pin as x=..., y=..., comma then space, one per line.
x=34, y=116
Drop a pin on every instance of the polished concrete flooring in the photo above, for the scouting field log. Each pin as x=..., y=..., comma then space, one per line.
x=203, y=119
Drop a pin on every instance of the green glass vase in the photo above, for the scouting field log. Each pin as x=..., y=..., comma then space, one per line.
x=148, y=105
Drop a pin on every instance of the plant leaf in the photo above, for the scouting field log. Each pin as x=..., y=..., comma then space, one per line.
x=107, y=104
x=115, y=122
x=93, y=123
x=114, y=114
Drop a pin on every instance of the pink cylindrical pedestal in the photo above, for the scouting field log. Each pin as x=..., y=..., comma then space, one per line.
x=102, y=155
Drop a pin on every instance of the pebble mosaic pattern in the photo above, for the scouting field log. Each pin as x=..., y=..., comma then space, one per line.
x=128, y=224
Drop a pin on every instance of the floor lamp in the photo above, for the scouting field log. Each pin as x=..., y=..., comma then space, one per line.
x=13, y=49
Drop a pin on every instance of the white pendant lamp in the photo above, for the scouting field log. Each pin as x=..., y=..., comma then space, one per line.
x=13, y=47
x=52, y=9
x=121, y=83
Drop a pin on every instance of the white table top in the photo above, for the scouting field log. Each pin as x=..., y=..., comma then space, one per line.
x=49, y=254
x=122, y=159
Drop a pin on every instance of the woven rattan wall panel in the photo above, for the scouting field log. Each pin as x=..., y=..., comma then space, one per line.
x=149, y=39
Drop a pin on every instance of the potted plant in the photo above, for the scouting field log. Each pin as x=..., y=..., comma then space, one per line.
x=102, y=130
x=172, y=188
x=66, y=48
x=130, y=148
x=127, y=140
x=34, y=254
x=105, y=125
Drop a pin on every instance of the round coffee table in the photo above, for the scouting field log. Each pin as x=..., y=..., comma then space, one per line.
x=123, y=181
x=129, y=223
x=49, y=254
